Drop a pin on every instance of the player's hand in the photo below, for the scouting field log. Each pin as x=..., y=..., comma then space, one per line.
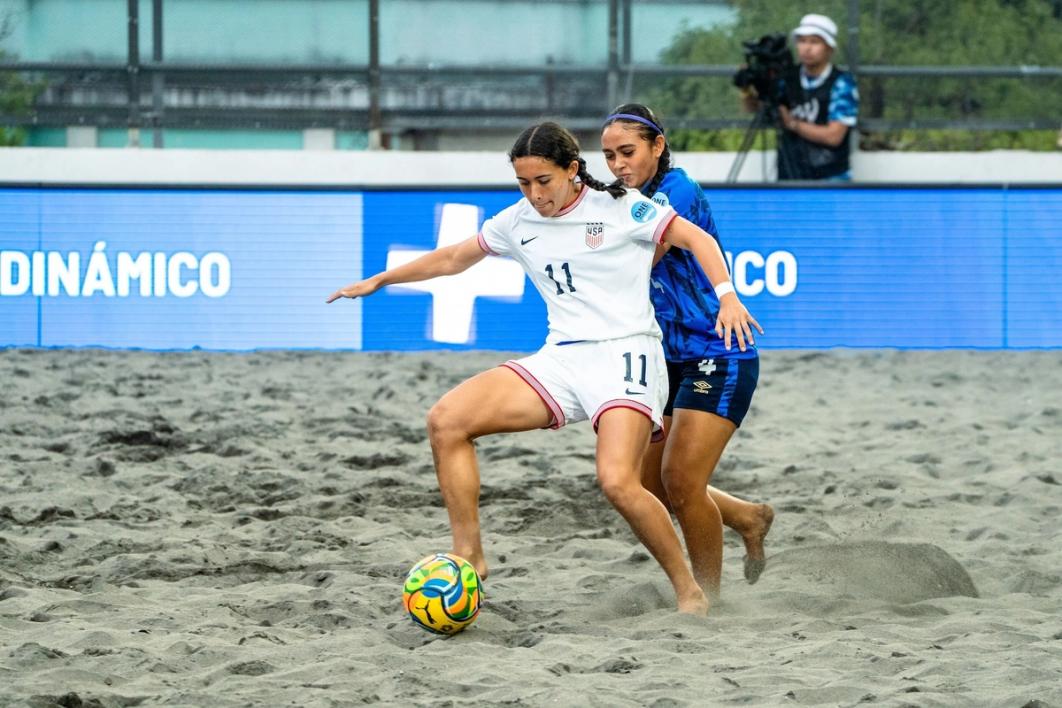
x=733, y=320
x=355, y=290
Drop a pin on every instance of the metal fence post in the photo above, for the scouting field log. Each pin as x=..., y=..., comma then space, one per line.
x=132, y=68
x=613, y=53
x=626, y=54
x=549, y=79
x=852, y=45
x=157, y=76
x=853, y=63
x=375, y=117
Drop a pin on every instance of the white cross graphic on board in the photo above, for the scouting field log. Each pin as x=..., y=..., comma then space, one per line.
x=453, y=296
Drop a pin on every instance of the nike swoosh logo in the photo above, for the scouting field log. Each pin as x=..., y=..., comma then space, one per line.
x=634, y=393
x=524, y=243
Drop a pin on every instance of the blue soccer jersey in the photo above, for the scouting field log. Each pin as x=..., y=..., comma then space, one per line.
x=685, y=303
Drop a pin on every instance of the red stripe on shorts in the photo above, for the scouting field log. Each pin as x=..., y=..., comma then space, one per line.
x=543, y=393
x=622, y=403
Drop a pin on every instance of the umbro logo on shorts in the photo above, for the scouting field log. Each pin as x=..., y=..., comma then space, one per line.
x=701, y=387
x=525, y=241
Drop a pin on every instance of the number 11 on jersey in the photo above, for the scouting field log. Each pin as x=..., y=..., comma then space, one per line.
x=567, y=273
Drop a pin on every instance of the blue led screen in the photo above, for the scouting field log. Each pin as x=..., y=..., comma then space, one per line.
x=247, y=269
x=177, y=269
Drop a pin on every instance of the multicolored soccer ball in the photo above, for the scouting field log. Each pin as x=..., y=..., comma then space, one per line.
x=442, y=593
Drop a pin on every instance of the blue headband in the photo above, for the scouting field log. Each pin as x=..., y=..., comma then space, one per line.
x=639, y=119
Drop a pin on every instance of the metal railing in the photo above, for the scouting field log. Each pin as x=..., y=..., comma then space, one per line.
x=380, y=99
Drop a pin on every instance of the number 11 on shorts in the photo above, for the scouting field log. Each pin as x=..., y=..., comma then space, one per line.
x=641, y=381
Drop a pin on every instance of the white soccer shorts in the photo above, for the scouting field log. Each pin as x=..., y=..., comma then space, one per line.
x=582, y=380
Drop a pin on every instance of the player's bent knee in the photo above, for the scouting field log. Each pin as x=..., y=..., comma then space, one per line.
x=446, y=424
x=618, y=487
x=678, y=500
x=680, y=488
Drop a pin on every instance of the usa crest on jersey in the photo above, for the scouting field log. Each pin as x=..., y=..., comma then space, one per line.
x=595, y=234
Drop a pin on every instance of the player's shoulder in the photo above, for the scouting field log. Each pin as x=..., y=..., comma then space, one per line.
x=637, y=207
x=604, y=200
x=678, y=190
x=515, y=211
x=505, y=221
x=677, y=184
x=599, y=204
x=678, y=176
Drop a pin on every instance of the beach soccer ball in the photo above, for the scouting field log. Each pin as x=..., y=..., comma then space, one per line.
x=442, y=593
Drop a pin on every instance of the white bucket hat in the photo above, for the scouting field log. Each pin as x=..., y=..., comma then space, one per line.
x=820, y=26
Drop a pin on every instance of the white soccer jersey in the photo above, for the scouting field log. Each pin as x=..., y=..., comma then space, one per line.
x=590, y=262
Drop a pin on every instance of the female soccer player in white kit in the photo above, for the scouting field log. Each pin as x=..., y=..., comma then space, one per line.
x=588, y=249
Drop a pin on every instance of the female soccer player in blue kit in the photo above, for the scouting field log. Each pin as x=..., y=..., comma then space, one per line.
x=711, y=384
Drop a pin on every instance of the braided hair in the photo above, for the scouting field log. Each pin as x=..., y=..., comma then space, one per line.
x=554, y=143
x=647, y=132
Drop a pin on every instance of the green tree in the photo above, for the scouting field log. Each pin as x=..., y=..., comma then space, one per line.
x=16, y=96
x=900, y=32
x=16, y=99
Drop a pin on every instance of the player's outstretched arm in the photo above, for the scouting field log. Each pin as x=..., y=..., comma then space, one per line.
x=733, y=318
x=449, y=260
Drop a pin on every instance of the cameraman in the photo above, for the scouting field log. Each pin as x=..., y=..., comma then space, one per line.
x=818, y=106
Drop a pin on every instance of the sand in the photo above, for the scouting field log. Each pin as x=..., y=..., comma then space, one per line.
x=204, y=529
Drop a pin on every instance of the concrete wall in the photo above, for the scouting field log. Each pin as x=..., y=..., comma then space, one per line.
x=368, y=168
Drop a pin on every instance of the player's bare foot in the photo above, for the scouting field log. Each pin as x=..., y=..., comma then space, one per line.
x=694, y=604
x=477, y=561
x=710, y=586
x=755, y=559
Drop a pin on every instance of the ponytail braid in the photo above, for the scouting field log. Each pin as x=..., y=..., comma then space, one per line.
x=663, y=166
x=616, y=189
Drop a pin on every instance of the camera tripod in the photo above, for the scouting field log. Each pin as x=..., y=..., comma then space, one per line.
x=766, y=118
